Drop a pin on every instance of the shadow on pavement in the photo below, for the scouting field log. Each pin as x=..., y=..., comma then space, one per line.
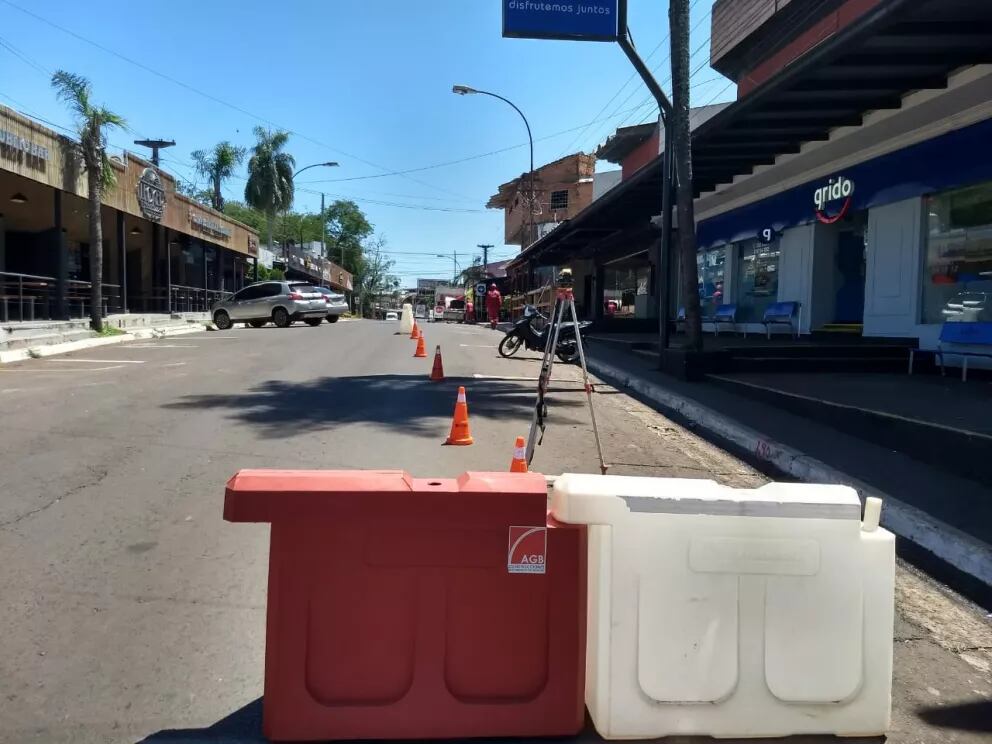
x=245, y=725
x=281, y=408
x=972, y=716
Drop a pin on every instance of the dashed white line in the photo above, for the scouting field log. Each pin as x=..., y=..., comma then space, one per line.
x=41, y=371
x=159, y=346
x=504, y=377
x=97, y=361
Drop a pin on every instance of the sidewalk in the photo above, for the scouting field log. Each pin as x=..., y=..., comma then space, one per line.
x=933, y=510
x=942, y=666
x=60, y=337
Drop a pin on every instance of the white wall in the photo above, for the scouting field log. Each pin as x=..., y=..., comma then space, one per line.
x=892, y=281
x=603, y=182
x=795, y=270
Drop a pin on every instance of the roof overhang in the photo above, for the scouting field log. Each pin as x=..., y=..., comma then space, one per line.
x=899, y=47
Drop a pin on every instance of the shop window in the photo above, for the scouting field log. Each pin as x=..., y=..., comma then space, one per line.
x=957, y=274
x=757, y=279
x=621, y=288
x=709, y=265
x=559, y=199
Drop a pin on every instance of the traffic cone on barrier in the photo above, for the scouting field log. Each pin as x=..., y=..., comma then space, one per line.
x=415, y=331
x=421, y=351
x=519, y=462
x=460, y=433
x=437, y=373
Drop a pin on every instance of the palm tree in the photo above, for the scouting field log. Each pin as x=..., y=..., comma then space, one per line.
x=92, y=121
x=218, y=165
x=270, y=176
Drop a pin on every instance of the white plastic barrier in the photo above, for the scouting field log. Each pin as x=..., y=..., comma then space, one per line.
x=406, y=318
x=733, y=613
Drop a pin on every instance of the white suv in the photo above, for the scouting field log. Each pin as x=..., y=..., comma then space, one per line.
x=279, y=302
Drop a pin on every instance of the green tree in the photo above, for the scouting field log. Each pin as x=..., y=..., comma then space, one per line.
x=194, y=192
x=373, y=277
x=347, y=230
x=218, y=165
x=270, y=177
x=92, y=123
x=245, y=215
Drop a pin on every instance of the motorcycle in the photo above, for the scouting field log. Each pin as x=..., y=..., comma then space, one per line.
x=524, y=335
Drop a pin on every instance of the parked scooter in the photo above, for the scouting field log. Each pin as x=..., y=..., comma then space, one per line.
x=524, y=335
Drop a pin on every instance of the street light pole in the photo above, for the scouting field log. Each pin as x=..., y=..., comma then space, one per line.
x=464, y=90
x=323, y=222
x=454, y=264
x=485, y=258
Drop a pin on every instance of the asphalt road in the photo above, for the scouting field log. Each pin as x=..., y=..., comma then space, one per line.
x=132, y=612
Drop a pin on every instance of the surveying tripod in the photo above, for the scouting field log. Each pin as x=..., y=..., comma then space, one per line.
x=564, y=302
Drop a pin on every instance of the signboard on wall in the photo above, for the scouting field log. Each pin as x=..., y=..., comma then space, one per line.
x=151, y=195
x=578, y=20
x=427, y=285
x=836, y=190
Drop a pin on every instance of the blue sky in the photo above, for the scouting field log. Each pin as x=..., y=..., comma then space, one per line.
x=364, y=82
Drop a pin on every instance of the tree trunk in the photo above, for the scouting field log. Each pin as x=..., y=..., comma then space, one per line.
x=218, y=199
x=270, y=220
x=96, y=249
x=678, y=23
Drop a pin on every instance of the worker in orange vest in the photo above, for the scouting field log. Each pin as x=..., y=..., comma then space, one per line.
x=494, y=301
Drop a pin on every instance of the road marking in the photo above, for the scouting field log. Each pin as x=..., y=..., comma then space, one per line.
x=41, y=371
x=476, y=346
x=96, y=361
x=504, y=377
x=175, y=364
x=159, y=346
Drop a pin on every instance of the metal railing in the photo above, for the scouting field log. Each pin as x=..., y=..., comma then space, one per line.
x=27, y=297
x=184, y=299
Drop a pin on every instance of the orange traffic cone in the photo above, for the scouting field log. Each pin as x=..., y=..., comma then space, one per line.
x=437, y=374
x=460, y=433
x=415, y=330
x=519, y=462
x=421, y=351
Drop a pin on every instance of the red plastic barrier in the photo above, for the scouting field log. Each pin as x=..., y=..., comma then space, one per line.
x=402, y=608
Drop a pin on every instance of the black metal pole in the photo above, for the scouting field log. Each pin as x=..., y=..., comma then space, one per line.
x=168, y=272
x=61, y=262
x=122, y=259
x=665, y=109
x=665, y=254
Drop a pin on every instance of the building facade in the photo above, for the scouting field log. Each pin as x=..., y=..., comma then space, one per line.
x=881, y=227
x=162, y=251
x=562, y=189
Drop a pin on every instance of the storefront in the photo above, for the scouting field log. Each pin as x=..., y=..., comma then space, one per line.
x=890, y=246
x=162, y=252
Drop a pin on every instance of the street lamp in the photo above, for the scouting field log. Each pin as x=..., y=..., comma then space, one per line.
x=465, y=90
x=454, y=263
x=323, y=222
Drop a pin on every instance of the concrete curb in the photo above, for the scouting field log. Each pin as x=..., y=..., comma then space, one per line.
x=34, y=352
x=948, y=543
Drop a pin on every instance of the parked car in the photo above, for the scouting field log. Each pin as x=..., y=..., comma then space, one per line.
x=392, y=316
x=279, y=302
x=337, y=305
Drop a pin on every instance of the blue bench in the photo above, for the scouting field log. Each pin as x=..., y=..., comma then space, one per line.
x=725, y=314
x=977, y=337
x=783, y=313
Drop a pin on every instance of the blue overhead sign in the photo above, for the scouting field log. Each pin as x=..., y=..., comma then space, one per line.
x=585, y=20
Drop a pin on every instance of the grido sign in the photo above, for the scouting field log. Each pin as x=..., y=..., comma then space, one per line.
x=579, y=20
x=837, y=189
x=151, y=195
